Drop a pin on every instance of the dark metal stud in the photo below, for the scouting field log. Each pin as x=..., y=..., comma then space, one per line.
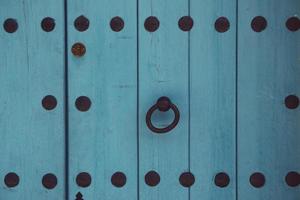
x=185, y=23
x=49, y=102
x=152, y=178
x=49, y=181
x=222, y=180
x=118, y=179
x=78, y=49
x=259, y=24
x=81, y=23
x=151, y=24
x=117, y=24
x=292, y=179
x=222, y=24
x=187, y=179
x=292, y=102
x=293, y=24
x=83, y=103
x=257, y=180
x=11, y=179
x=10, y=25
x=83, y=179
x=48, y=24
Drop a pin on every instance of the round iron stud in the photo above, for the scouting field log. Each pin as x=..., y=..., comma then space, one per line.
x=152, y=178
x=187, y=179
x=151, y=24
x=11, y=180
x=118, y=179
x=10, y=25
x=259, y=24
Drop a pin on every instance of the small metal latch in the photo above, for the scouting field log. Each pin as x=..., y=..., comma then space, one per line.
x=79, y=196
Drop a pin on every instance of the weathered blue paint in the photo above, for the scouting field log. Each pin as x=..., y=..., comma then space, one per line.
x=31, y=67
x=163, y=71
x=212, y=99
x=268, y=71
x=229, y=88
x=103, y=140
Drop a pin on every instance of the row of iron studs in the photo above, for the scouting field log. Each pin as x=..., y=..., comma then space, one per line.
x=185, y=23
x=152, y=178
x=83, y=103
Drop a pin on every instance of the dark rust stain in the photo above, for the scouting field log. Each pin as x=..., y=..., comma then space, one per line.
x=292, y=179
x=257, y=180
x=152, y=178
x=11, y=179
x=117, y=24
x=10, y=25
x=49, y=102
x=259, y=23
x=186, y=23
x=293, y=24
x=81, y=23
x=83, y=103
x=78, y=49
x=118, y=179
x=83, y=179
x=292, y=102
x=222, y=180
x=48, y=24
x=151, y=24
x=187, y=179
x=49, y=181
x=222, y=24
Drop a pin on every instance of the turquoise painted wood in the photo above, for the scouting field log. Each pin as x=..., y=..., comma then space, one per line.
x=106, y=63
x=163, y=71
x=268, y=72
x=31, y=67
x=103, y=140
x=212, y=99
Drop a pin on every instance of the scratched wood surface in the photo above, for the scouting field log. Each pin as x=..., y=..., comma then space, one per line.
x=212, y=99
x=163, y=71
x=103, y=140
x=31, y=67
x=268, y=71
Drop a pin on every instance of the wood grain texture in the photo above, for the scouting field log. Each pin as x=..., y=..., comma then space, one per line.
x=103, y=140
x=31, y=67
x=268, y=71
x=212, y=99
x=229, y=87
x=163, y=71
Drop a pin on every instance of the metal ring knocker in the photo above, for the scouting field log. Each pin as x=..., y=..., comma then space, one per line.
x=163, y=104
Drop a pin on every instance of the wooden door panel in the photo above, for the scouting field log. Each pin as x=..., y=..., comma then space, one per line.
x=102, y=136
x=163, y=71
x=213, y=99
x=268, y=72
x=32, y=98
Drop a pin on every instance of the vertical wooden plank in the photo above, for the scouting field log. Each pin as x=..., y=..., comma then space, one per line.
x=31, y=67
x=163, y=71
x=213, y=86
x=269, y=71
x=103, y=140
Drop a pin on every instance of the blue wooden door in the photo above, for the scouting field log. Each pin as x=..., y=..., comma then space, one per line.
x=150, y=99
